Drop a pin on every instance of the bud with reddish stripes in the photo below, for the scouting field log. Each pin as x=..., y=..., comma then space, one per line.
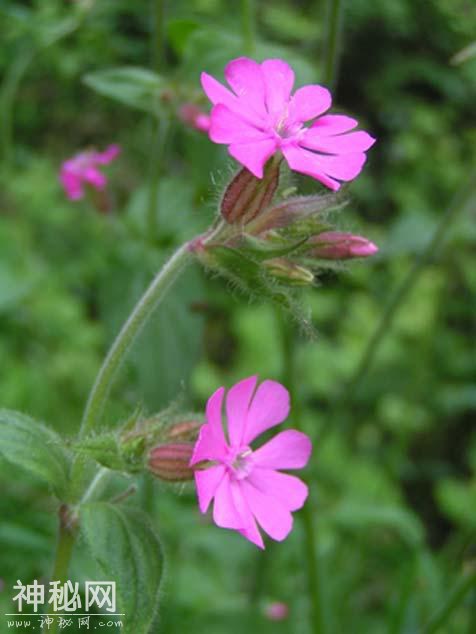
x=170, y=461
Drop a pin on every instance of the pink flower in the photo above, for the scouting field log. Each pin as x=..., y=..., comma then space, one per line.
x=260, y=117
x=277, y=611
x=245, y=483
x=82, y=169
x=337, y=245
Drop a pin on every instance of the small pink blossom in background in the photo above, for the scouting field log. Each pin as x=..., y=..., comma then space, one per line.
x=260, y=117
x=276, y=611
x=245, y=484
x=82, y=170
x=191, y=114
x=336, y=245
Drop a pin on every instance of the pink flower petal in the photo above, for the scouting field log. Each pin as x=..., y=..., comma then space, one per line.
x=309, y=102
x=94, y=177
x=213, y=412
x=109, y=154
x=270, y=514
x=216, y=92
x=71, y=184
x=342, y=144
x=345, y=167
x=334, y=124
x=290, y=449
x=211, y=443
x=250, y=529
x=253, y=155
x=289, y=490
x=225, y=513
x=237, y=404
x=322, y=167
x=207, y=482
x=208, y=446
x=245, y=77
x=301, y=161
x=270, y=406
x=228, y=127
x=278, y=79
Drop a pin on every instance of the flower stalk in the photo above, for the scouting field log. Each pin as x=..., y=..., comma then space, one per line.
x=134, y=324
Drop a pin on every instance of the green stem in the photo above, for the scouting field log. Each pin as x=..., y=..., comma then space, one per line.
x=332, y=41
x=311, y=549
x=137, y=319
x=64, y=551
x=459, y=202
x=441, y=616
x=248, y=12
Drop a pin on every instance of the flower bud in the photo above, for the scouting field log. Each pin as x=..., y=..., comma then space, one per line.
x=289, y=272
x=335, y=245
x=293, y=210
x=246, y=196
x=171, y=461
x=185, y=430
x=191, y=114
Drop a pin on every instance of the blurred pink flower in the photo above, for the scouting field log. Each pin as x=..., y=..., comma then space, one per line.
x=245, y=483
x=191, y=114
x=276, y=611
x=82, y=169
x=336, y=245
x=260, y=117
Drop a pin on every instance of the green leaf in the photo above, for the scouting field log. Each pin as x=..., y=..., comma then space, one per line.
x=136, y=87
x=35, y=448
x=127, y=550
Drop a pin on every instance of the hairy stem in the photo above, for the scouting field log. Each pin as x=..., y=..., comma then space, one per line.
x=100, y=390
x=64, y=551
x=137, y=319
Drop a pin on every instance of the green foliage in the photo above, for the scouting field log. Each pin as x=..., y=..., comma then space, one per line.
x=30, y=445
x=127, y=549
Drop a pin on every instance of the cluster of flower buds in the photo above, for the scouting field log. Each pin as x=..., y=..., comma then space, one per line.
x=266, y=242
x=156, y=444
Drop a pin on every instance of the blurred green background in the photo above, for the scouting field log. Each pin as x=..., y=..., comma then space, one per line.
x=393, y=475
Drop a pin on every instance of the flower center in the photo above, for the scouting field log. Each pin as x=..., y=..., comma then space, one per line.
x=240, y=462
